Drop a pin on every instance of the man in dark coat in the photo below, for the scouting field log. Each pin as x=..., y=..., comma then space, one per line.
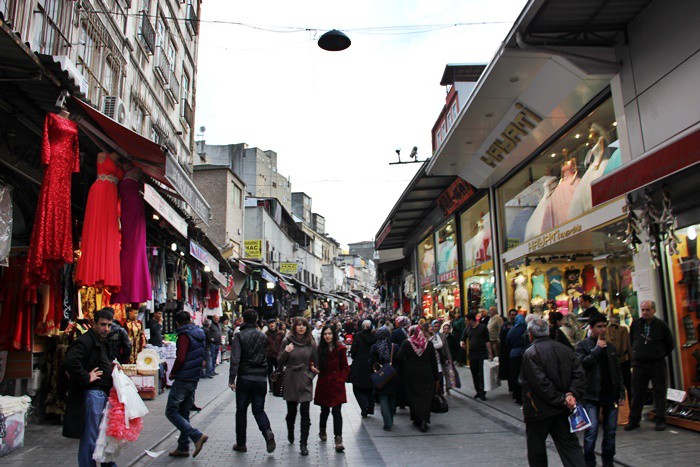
x=360, y=371
x=553, y=380
x=90, y=380
x=477, y=336
x=155, y=325
x=118, y=343
x=214, y=336
x=652, y=342
x=186, y=372
x=273, y=348
x=605, y=390
x=248, y=379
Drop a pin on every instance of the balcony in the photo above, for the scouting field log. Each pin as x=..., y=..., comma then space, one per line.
x=147, y=34
x=191, y=20
x=173, y=90
x=162, y=65
x=188, y=113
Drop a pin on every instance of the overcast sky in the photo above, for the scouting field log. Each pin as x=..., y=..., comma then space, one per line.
x=335, y=119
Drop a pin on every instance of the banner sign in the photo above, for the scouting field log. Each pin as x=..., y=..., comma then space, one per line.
x=151, y=196
x=253, y=249
x=289, y=268
x=454, y=196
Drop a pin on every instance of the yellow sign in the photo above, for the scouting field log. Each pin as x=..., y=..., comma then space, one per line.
x=289, y=268
x=478, y=270
x=253, y=249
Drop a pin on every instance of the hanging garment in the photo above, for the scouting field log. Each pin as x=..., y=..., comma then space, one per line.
x=135, y=277
x=488, y=296
x=572, y=278
x=557, y=211
x=5, y=223
x=521, y=295
x=535, y=224
x=563, y=305
x=51, y=245
x=590, y=283
x=538, y=287
x=70, y=292
x=99, y=262
x=556, y=287
x=474, y=297
x=516, y=230
x=614, y=162
x=137, y=338
x=17, y=307
x=581, y=201
x=50, y=313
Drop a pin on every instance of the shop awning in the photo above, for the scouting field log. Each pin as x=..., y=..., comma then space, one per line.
x=681, y=153
x=153, y=159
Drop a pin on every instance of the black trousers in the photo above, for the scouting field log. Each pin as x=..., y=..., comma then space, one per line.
x=271, y=366
x=514, y=378
x=566, y=443
x=626, y=368
x=476, y=365
x=642, y=373
x=337, y=420
x=365, y=398
x=305, y=409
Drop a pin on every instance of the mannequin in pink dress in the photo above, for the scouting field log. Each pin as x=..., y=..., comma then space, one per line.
x=557, y=211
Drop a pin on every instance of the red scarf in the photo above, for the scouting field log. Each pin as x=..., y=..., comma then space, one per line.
x=417, y=340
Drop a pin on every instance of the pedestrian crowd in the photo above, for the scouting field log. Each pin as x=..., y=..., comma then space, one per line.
x=553, y=367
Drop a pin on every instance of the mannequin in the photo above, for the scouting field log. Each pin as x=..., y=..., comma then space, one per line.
x=581, y=202
x=538, y=287
x=521, y=295
x=556, y=287
x=538, y=304
x=135, y=330
x=557, y=212
x=563, y=303
x=534, y=224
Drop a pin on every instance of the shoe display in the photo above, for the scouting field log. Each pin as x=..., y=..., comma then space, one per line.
x=238, y=448
x=199, y=444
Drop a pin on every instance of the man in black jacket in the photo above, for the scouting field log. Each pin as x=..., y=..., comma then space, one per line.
x=90, y=370
x=155, y=325
x=652, y=342
x=248, y=378
x=214, y=337
x=553, y=380
x=118, y=343
x=605, y=390
x=477, y=334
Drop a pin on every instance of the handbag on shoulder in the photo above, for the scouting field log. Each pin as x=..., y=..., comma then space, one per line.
x=385, y=373
x=277, y=378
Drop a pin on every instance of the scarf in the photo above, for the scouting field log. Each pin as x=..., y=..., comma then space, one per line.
x=417, y=340
x=383, y=344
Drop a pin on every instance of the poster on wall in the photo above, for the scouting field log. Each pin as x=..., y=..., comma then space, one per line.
x=253, y=249
x=426, y=260
x=446, y=248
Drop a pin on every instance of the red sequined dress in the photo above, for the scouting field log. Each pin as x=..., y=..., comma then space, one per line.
x=51, y=244
x=99, y=265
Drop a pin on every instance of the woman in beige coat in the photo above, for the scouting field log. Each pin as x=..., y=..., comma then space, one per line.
x=299, y=357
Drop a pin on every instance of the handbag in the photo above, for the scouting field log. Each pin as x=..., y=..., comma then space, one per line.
x=439, y=404
x=453, y=376
x=277, y=378
x=385, y=373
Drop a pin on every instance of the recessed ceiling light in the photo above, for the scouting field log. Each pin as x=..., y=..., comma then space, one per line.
x=614, y=123
x=488, y=115
x=514, y=79
x=554, y=154
x=577, y=136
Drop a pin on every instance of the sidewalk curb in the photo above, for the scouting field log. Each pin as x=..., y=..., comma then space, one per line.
x=174, y=430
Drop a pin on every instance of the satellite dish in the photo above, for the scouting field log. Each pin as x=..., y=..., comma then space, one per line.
x=202, y=129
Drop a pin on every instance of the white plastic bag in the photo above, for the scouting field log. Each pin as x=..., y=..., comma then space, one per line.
x=134, y=406
x=491, y=380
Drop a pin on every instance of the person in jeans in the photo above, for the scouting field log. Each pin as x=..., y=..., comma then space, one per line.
x=248, y=379
x=90, y=371
x=652, y=342
x=477, y=335
x=186, y=372
x=381, y=353
x=213, y=335
x=605, y=390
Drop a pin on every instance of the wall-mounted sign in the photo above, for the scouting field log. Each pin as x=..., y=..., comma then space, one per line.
x=524, y=122
x=454, y=196
x=186, y=188
x=253, y=249
x=265, y=274
x=151, y=196
x=204, y=257
x=289, y=268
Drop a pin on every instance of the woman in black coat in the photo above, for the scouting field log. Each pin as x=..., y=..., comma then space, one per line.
x=360, y=370
x=383, y=352
x=418, y=364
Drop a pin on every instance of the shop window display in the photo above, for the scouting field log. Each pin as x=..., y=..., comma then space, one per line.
x=598, y=264
x=556, y=187
x=426, y=276
x=446, y=292
x=478, y=276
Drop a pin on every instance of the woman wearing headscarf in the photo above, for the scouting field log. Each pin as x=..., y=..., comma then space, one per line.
x=442, y=353
x=570, y=332
x=330, y=388
x=400, y=334
x=360, y=370
x=383, y=352
x=417, y=362
x=299, y=357
x=516, y=343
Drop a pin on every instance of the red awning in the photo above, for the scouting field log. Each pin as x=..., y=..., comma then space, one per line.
x=647, y=169
x=144, y=153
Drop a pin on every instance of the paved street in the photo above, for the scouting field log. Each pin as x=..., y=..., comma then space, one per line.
x=475, y=433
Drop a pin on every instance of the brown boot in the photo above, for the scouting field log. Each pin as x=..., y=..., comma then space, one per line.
x=322, y=436
x=339, y=444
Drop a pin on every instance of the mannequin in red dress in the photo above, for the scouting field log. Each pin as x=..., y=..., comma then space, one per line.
x=51, y=244
x=99, y=264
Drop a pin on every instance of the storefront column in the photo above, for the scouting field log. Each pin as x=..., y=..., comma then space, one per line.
x=501, y=289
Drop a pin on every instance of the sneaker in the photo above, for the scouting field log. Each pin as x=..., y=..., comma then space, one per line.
x=238, y=448
x=661, y=426
x=270, y=438
x=178, y=453
x=199, y=444
x=631, y=426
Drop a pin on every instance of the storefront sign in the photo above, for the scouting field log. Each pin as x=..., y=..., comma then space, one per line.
x=267, y=276
x=524, y=122
x=253, y=249
x=382, y=235
x=151, y=196
x=449, y=276
x=477, y=270
x=204, y=257
x=289, y=268
x=182, y=183
x=454, y=196
x=602, y=215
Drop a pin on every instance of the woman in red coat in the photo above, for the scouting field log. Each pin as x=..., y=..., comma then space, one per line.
x=330, y=387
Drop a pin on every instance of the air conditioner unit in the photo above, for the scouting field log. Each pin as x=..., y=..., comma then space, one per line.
x=114, y=108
